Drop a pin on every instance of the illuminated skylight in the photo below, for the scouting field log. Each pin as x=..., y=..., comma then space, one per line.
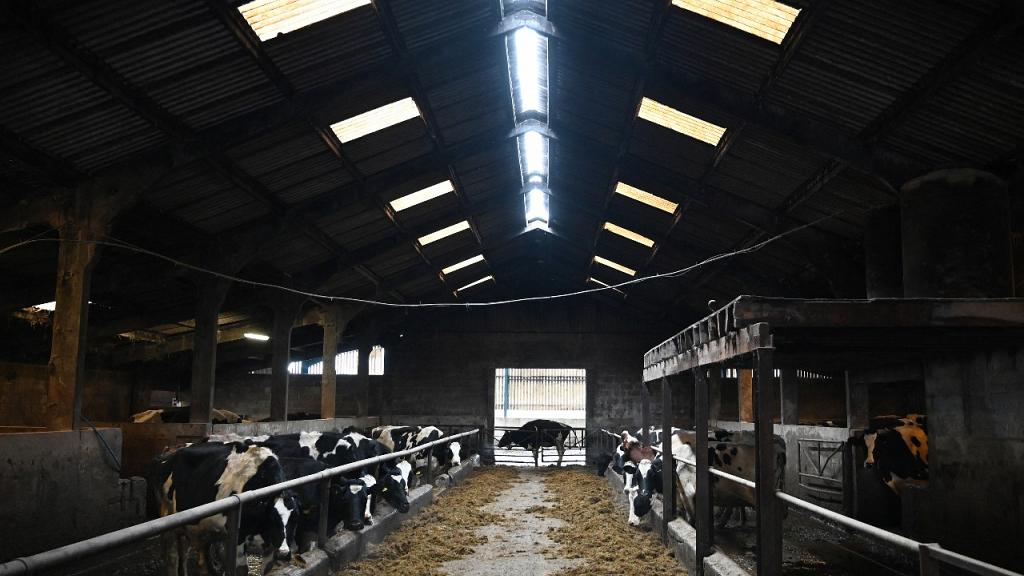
x=444, y=233
x=646, y=198
x=463, y=264
x=376, y=119
x=533, y=154
x=536, y=209
x=480, y=281
x=629, y=234
x=683, y=123
x=421, y=196
x=268, y=18
x=764, y=18
x=615, y=266
x=256, y=336
x=527, y=53
x=599, y=283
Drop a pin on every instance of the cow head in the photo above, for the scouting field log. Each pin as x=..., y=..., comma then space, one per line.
x=394, y=485
x=348, y=499
x=643, y=488
x=506, y=439
x=280, y=523
x=455, y=449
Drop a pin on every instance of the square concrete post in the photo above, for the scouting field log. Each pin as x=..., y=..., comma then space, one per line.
x=212, y=292
x=769, y=509
x=856, y=403
x=789, y=391
x=714, y=397
x=333, y=322
x=286, y=308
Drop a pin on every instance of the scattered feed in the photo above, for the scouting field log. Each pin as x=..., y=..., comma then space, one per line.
x=441, y=532
x=597, y=532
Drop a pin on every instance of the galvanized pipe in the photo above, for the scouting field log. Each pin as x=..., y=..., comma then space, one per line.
x=58, y=556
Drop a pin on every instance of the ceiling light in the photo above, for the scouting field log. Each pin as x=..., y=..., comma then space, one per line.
x=536, y=209
x=615, y=266
x=533, y=154
x=646, y=198
x=764, y=18
x=480, y=281
x=376, y=119
x=606, y=285
x=681, y=122
x=529, y=71
x=444, y=233
x=256, y=336
x=463, y=264
x=421, y=196
x=626, y=233
x=268, y=18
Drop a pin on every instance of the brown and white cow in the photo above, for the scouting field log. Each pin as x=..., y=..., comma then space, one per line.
x=897, y=447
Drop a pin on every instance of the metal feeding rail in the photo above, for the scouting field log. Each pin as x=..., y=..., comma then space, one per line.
x=762, y=334
x=231, y=506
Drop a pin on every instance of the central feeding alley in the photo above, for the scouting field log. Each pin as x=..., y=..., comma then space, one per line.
x=523, y=522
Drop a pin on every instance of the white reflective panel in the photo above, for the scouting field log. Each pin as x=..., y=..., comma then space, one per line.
x=533, y=154
x=376, y=119
x=444, y=233
x=480, y=281
x=629, y=234
x=421, y=196
x=646, y=197
x=463, y=264
x=763, y=18
x=615, y=265
x=536, y=206
x=681, y=122
x=268, y=18
x=529, y=70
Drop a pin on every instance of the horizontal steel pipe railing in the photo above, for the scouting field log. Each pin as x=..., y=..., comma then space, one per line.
x=58, y=556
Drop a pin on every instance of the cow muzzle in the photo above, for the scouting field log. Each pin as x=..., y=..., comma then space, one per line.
x=283, y=553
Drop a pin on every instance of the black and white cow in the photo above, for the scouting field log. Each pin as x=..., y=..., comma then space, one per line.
x=538, y=434
x=447, y=455
x=345, y=505
x=202, y=473
x=398, y=438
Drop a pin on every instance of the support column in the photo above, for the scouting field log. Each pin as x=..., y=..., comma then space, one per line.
x=212, y=292
x=645, y=414
x=714, y=401
x=333, y=322
x=703, y=522
x=856, y=403
x=285, y=310
x=789, y=392
x=363, y=398
x=668, y=468
x=769, y=517
x=745, y=394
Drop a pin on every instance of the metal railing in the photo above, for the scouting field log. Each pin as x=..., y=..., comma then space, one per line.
x=231, y=506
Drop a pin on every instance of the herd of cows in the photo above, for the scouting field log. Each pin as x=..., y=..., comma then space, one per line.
x=222, y=465
x=896, y=448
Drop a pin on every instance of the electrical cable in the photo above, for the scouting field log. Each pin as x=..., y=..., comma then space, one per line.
x=114, y=242
x=115, y=459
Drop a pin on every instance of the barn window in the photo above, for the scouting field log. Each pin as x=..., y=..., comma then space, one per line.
x=421, y=196
x=376, y=364
x=763, y=18
x=443, y=233
x=628, y=234
x=646, y=198
x=463, y=264
x=376, y=119
x=615, y=266
x=295, y=367
x=673, y=119
x=268, y=18
x=476, y=282
x=347, y=362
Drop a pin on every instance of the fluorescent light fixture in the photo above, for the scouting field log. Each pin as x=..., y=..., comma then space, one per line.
x=48, y=306
x=626, y=233
x=480, y=281
x=681, y=122
x=528, y=69
x=646, y=198
x=463, y=264
x=444, y=233
x=268, y=18
x=615, y=266
x=256, y=336
x=533, y=155
x=599, y=283
x=536, y=209
x=421, y=196
x=376, y=119
x=763, y=18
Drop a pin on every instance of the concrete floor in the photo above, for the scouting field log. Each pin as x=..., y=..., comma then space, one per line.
x=516, y=546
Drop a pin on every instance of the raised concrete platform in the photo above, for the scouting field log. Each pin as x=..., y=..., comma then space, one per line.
x=346, y=546
x=682, y=536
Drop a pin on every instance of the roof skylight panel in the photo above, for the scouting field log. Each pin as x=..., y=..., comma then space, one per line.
x=528, y=70
x=268, y=18
x=537, y=209
x=628, y=234
x=681, y=122
x=763, y=18
x=615, y=266
x=376, y=119
x=465, y=263
x=421, y=196
x=443, y=233
x=476, y=283
x=646, y=198
x=533, y=155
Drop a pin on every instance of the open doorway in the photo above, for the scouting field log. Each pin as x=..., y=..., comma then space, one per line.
x=522, y=395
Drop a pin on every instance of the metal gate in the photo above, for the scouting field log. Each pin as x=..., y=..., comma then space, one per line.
x=820, y=469
x=575, y=450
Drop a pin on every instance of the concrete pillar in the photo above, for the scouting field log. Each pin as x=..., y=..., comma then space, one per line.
x=857, y=402
x=883, y=263
x=75, y=262
x=955, y=226
x=212, y=292
x=789, y=391
x=333, y=322
x=714, y=386
x=285, y=310
x=745, y=384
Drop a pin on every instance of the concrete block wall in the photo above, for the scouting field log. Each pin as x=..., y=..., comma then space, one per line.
x=60, y=487
x=250, y=394
x=23, y=389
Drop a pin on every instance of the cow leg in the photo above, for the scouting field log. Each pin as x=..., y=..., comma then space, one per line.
x=535, y=461
x=743, y=515
x=560, y=446
x=634, y=520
